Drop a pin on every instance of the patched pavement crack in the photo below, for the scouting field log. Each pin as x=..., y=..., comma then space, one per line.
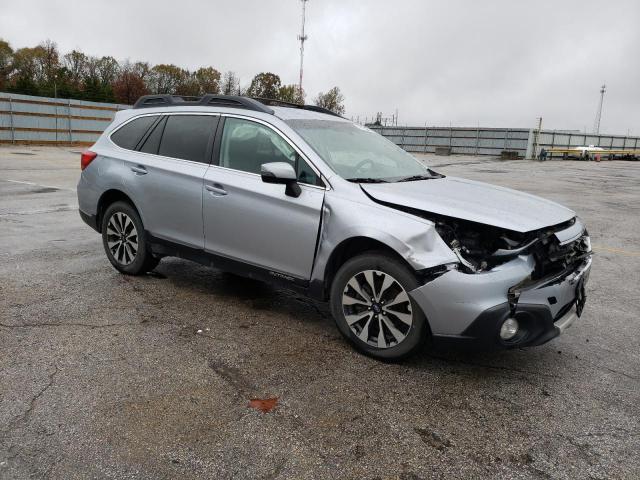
x=24, y=417
x=53, y=325
x=495, y=367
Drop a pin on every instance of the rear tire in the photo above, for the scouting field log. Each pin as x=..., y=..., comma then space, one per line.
x=124, y=240
x=369, y=294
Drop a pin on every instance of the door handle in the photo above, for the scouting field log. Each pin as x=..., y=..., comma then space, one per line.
x=216, y=190
x=139, y=170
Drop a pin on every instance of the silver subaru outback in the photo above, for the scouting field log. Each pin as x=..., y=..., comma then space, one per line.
x=300, y=196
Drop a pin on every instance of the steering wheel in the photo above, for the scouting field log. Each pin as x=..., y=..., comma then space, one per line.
x=362, y=163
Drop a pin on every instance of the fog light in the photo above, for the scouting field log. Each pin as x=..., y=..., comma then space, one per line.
x=509, y=329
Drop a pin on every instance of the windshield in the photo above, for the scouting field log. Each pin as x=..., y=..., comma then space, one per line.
x=359, y=154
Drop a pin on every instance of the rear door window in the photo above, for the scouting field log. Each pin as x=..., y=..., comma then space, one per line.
x=187, y=137
x=130, y=134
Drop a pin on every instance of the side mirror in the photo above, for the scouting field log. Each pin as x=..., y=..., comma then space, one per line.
x=281, y=173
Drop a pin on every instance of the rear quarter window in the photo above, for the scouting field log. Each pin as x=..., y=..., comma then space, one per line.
x=130, y=134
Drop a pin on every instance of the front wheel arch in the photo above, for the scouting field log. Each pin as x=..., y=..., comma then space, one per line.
x=352, y=247
x=419, y=331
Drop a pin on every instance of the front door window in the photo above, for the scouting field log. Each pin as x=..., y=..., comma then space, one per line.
x=247, y=145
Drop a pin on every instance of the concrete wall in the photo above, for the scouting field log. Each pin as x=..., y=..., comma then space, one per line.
x=44, y=120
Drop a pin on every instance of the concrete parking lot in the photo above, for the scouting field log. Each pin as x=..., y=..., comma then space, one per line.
x=106, y=376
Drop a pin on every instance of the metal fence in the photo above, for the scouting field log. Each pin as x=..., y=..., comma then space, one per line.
x=44, y=120
x=493, y=141
x=469, y=141
x=25, y=119
x=554, y=139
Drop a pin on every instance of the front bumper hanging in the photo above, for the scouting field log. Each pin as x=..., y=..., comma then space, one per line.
x=470, y=309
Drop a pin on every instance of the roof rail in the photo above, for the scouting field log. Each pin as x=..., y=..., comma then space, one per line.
x=313, y=108
x=231, y=101
x=257, y=104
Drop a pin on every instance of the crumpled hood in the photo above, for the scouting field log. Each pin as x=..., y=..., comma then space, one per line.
x=474, y=201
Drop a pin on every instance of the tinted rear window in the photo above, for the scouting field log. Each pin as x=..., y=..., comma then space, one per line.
x=130, y=134
x=187, y=136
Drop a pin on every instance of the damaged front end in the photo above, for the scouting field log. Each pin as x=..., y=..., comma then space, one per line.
x=509, y=288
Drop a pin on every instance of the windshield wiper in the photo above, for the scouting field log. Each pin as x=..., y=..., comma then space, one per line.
x=366, y=180
x=414, y=178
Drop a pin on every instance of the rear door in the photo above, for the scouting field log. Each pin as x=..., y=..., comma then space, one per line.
x=167, y=172
x=255, y=222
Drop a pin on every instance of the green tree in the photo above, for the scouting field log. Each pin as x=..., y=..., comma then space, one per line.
x=264, y=85
x=332, y=100
x=100, y=74
x=6, y=62
x=24, y=85
x=107, y=70
x=92, y=90
x=41, y=64
x=142, y=69
x=208, y=79
x=25, y=65
x=165, y=78
x=291, y=94
x=65, y=86
x=75, y=63
x=188, y=85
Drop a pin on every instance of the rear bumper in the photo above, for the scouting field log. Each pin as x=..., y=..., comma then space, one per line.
x=469, y=309
x=90, y=220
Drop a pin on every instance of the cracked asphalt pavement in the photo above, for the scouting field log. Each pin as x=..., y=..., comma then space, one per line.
x=106, y=376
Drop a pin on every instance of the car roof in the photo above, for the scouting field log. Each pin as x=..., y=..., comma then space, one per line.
x=215, y=102
x=292, y=113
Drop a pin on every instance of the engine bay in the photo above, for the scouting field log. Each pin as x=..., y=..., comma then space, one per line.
x=481, y=248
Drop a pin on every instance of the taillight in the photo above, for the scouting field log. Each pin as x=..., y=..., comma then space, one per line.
x=86, y=158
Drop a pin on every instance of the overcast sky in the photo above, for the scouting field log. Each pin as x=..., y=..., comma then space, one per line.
x=496, y=63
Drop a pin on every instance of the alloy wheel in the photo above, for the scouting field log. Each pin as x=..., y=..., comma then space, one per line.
x=122, y=238
x=377, y=308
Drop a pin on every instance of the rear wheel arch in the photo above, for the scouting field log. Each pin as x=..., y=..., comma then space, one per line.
x=108, y=198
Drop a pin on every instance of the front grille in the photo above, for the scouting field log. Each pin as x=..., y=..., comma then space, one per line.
x=552, y=258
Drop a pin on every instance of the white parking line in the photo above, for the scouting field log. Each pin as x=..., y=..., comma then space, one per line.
x=38, y=184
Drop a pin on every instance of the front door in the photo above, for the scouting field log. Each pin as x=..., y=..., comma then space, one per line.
x=255, y=222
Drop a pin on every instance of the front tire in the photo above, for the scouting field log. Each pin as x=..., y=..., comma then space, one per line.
x=124, y=240
x=372, y=308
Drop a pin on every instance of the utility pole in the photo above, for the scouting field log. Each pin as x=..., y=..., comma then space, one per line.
x=596, y=123
x=536, y=137
x=303, y=38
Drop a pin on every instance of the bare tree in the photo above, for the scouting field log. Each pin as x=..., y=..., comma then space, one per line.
x=230, y=84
